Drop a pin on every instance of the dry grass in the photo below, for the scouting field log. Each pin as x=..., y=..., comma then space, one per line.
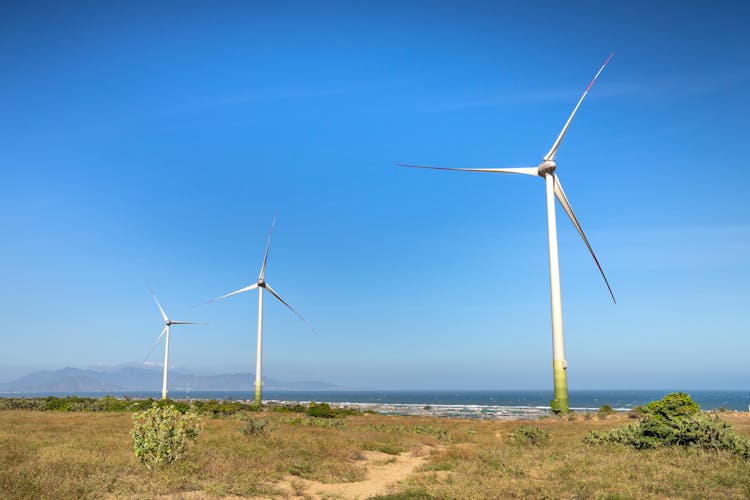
x=63, y=455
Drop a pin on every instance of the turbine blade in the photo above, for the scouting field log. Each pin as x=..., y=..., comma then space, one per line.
x=553, y=150
x=161, y=310
x=268, y=246
x=241, y=290
x=187, y=323
x=525, y=170
x=273, y=292
x=156, y=343
x=560, y=194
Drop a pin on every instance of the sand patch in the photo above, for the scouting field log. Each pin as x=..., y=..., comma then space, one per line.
x=383, y=470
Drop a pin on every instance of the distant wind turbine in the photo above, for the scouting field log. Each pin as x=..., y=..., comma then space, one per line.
x=262, y=285
x=167, y=325
x=546, y=170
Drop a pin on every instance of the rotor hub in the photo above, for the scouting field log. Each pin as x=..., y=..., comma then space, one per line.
x=547, y=167
x=261, y=283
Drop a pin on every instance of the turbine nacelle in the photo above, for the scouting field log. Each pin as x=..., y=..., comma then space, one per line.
x=546, y=167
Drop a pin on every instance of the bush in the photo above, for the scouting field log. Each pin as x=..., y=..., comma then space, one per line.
x=605, y=411
x=162, y=434
x=222, y=409
x=676, y=404
x=289, y=408
x=254, y=426
x=530, y=434
x=319, y=410
x=675, y=420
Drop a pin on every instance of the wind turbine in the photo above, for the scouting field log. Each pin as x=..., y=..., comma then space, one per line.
x=554, y=189
x=262, y=285
x=167, y=325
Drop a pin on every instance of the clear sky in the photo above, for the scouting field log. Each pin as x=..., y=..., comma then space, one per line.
x=147, y=142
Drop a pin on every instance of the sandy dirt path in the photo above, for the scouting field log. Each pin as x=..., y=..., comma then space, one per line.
x=382, y=471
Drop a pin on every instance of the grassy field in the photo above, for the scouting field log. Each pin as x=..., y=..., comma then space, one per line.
x=89, y=454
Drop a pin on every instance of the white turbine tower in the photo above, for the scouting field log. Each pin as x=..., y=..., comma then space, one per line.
x=546, y=170
x=167, y=326
x=262, y=285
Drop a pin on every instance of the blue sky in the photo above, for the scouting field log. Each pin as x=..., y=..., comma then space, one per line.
x=155, y=142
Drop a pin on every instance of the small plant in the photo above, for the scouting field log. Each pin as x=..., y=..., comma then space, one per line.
x=319, y=410
x=162, y=434
x=530, y=434
x=254, y=426
x=604, y=411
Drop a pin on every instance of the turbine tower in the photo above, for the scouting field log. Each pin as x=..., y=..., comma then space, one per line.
x=262, y=285
x=546, y=170
x=167, y=325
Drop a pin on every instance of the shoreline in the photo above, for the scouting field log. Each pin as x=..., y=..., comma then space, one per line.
x=490, y=412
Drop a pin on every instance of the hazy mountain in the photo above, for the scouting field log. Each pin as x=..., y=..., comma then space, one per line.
x=144, y=378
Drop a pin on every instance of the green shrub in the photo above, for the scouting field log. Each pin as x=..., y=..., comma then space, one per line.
x=162, y=434
x=605, y=410
x=319, y=410
x=289, y=408
x=345, y=412
x=530, y=434
x=676, y=420
x=254, y=426
x=221, y=409
x=676, y=404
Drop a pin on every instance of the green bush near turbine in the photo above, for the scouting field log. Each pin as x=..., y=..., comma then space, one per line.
x=162, y=434
x=530, y=435
x=320, y=410
x=604, y=411
x=675, y=420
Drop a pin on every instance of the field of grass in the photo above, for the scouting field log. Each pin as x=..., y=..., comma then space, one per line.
x=89, y=454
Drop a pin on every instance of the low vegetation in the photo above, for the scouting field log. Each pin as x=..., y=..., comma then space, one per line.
x=71, y=454
x=211, y=407
x=254, y=426
x=530, y=434
x=162, y=435
x=676, y=420
x=605, y=411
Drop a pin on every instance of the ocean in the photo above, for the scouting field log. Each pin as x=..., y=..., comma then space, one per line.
x=460, y=404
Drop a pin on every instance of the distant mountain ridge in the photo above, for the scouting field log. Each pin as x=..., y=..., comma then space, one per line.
x=134, y=378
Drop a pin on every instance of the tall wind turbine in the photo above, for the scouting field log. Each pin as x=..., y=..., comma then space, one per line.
x=546, y=170
x=262, y=285
x=167, y=325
